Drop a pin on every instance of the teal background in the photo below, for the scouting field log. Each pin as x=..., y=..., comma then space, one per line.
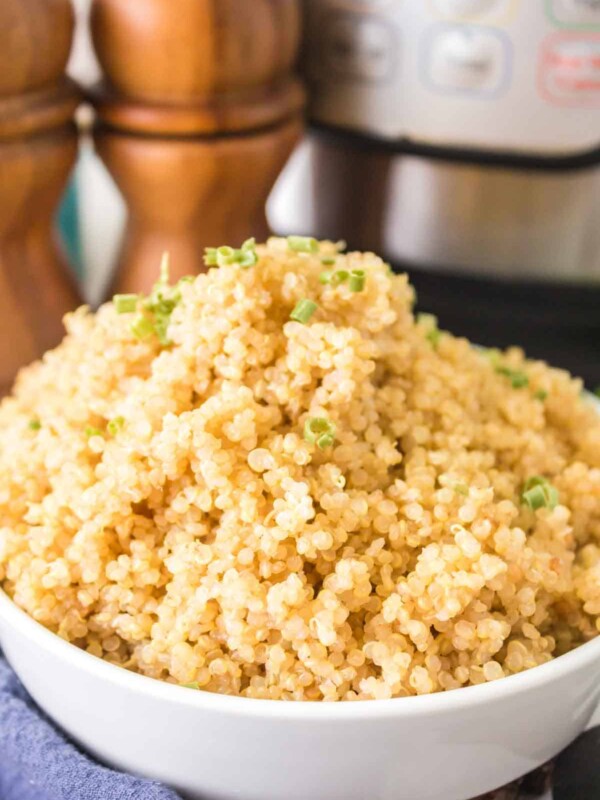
x=68, y=219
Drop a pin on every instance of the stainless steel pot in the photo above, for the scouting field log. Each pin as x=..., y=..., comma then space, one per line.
x=518, y=222
x=462, y=135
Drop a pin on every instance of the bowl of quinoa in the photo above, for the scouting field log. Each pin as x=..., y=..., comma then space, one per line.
x=275, y=481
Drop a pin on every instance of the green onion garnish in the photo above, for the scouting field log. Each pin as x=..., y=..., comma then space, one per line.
x=357, y=279
x=339, y=276
x=493, y=355
x=538, y=492
x=125, y=303
x=244, y=256
x=319, y=431
x=210, y=256
x=541, y=394
x=225, y=255
x=303, y=244
x=429, y=323
x=163, y=274
x=157, y=307
x=434, y=336
x=192, y=685
x=142, y=327
x=89, y=432
x=597, y=391
x=461, y=488
x=115, y=425
x=161, y=325
x=34, y=425
x=517, y=378
x=248, y=255
x=327, y=261
x=303, y=311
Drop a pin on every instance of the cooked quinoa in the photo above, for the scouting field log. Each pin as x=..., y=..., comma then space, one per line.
x=168, y=501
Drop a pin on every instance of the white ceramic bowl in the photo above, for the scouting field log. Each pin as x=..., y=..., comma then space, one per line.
x=448, y=746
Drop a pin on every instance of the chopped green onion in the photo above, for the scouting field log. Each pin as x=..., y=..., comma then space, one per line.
x=303, y=311
x=226, y=255
x=434, y=336
x=538, y=492
x=535, y=497
x=357, y=279
x=517, y=378
x=142, y=327
x=429, y=323
x=494, y=355
x=248, y=254
x=244, y=256
x=161, y=326
x=303, y=244
x=248, y=260
x=192, y=685
x=164, y=268
x=225, y=252
x=125, y=303
x=327, y=261
x=541, y=394
x=89, y=432
x=339, y=276
x=158, y=306
x=597, y=391
x=115, y=425
x=319, y=431
x=461, y=488
x=210, y=256
x=34, y=425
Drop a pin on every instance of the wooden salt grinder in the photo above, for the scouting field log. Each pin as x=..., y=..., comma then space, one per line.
x=38, y=145
x=198, y=113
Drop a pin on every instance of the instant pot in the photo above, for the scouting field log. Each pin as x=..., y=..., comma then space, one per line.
x=461, y=138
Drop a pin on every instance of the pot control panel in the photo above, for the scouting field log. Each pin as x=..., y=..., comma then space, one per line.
x=520, y=75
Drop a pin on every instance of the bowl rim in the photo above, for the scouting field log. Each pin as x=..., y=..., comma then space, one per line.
x=22, y=624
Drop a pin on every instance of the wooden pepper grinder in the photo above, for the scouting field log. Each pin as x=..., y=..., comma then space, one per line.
x=198, y=113
x=38, y=145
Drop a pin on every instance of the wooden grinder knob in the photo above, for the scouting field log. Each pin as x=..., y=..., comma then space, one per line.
x=199, y=111
x=38, y=145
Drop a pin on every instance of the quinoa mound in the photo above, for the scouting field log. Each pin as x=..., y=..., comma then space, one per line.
x=165, y=505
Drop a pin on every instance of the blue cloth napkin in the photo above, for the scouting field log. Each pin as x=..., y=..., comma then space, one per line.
x=37, y=762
